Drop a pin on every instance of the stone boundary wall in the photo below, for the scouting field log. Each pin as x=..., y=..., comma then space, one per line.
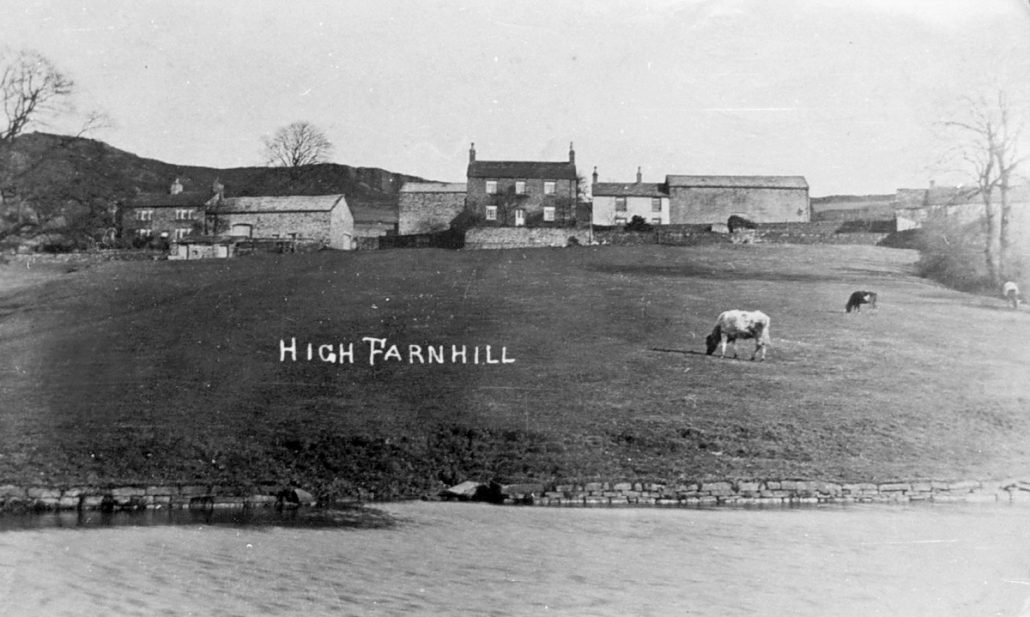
x=775, y=493
x=82, y=257
x=743, y=493
x=683, y=235
x=523, y=237
x=590, y=494
x=42, y=499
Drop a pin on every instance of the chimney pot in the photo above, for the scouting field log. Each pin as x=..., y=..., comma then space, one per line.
x=472, y=153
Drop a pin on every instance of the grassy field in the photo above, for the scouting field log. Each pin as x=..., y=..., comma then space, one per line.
x=171, y=371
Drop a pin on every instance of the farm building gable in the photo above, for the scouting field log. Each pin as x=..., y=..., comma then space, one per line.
x=429, y=207
x=761, y=199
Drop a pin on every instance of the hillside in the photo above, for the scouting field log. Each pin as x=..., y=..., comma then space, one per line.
x=853, y=208
x=157, y=372
x=849, y=202
x=60, y=181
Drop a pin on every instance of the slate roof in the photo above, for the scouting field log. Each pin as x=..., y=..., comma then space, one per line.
x=764, y=182
x=434, y=187
x=292, y=203
x=628, y=189
x=522, y=169
x=186, y=199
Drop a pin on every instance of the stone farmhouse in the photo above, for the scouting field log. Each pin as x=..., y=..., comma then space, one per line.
x=170, y=216
x=518, y=193
x=616, y=203
x=206, y=217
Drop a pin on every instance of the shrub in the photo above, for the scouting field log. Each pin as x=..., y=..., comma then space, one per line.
x=952, y=253
x=637, y=223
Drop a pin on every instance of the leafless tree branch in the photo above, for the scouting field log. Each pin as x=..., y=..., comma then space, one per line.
x=31, y=87
x=299, y=144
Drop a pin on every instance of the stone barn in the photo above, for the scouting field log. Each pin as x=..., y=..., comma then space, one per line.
x=303, y=219
x=761, y=199
x=429, y=207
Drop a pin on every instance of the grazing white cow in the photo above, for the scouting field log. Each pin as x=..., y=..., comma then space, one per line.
x=736, y=324
x=1011, y=292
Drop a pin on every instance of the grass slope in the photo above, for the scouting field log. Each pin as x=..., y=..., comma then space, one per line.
x=170, y=371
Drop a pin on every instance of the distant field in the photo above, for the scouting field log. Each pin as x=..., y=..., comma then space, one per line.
x=170, y=371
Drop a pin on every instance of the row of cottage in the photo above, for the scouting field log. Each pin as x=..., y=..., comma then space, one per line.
x=496, y=193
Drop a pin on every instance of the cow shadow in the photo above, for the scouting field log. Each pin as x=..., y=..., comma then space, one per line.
x=693, y=352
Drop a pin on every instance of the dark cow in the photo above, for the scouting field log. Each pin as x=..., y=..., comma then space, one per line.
x=859, y=298
x=735, y=324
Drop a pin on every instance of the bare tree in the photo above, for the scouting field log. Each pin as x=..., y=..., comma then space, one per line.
x=31, y=87
x=989, y=147
x=297, y=145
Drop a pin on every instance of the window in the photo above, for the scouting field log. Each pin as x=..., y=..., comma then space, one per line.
x=184, y=215
x=549, y=213
x=491, y=213
x=491, y=187
x=144, y=233
x=520, y=187
x=656, y=221
x=656, y=204
x=549, y=187
x=620, y=220
x=620, y=204
x=520, y=217
x=144, y=215
x=182, y=232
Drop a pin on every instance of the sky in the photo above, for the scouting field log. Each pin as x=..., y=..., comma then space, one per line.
x=851, y=95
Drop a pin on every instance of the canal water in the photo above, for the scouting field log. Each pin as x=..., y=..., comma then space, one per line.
x=471, y=559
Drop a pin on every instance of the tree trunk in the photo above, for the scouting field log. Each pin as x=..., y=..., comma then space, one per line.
x=992, y=242
x=1005, y=237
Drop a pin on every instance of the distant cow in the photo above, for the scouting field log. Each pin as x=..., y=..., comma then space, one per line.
x=733, y=325
x=1011, y=292
x=859, y=298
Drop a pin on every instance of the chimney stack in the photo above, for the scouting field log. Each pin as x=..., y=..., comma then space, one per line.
x=595, y=174
x=176, y=187
x=472, y=153
x=640, y=178
x=572, y=154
